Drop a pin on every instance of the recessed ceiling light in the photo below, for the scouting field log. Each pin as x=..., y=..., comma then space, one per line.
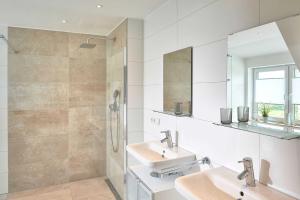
x=99, y=6
x=64, y=21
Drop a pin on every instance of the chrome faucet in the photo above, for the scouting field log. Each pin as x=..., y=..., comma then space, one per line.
x=168, y=138
x=248, y=172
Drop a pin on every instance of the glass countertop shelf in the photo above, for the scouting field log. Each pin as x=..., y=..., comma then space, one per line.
x=277, y=131
x=172, y=113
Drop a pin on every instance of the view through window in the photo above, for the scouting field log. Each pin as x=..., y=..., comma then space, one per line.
x=276, y=90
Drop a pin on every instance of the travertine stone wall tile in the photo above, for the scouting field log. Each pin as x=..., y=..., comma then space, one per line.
x=57, y=115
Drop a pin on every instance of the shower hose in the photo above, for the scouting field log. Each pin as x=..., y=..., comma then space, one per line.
x=115, y=147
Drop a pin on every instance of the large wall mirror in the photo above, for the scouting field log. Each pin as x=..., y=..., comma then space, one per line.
x=177, y=79
x=263, y=72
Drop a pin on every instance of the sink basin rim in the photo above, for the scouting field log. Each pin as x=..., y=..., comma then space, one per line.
x=172, y=156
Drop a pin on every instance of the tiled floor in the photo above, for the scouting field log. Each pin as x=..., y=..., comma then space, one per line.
x=91, y=189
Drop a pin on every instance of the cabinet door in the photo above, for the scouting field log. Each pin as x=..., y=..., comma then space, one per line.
x=131, y=186
x=143, y=192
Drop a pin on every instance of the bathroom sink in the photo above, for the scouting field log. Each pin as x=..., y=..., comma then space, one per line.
x=222, y=183
x=159, y=156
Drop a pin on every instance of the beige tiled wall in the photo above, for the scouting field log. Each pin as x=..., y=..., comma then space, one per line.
x=56, y=118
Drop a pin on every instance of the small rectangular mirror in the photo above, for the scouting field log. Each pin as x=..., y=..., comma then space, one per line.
x=178, y=82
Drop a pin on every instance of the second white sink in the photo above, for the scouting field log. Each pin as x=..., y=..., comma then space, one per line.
x=222, y=184
x=157, y=155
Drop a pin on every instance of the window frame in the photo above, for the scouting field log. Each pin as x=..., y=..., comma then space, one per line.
x=293, y=69
x=255, y=111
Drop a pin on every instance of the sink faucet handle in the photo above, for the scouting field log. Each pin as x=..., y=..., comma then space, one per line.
x=167, y=132
x=247, y=159
x=168, y=138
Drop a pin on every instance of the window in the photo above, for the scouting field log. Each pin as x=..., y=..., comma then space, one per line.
x=297, y=112
x=297, y=73
x=296, y=96
x=266, y=79
x=277, y=88
x=276, y=110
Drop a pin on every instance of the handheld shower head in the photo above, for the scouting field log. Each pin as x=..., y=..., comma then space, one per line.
x=115, y=105
x=116, y=94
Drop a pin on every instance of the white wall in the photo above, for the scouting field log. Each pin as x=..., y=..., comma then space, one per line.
x=269, y=60
x=3, y=114
x=135, y=82
x=205, y=24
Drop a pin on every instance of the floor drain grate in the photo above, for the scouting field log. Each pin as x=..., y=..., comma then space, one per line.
x=113, y=190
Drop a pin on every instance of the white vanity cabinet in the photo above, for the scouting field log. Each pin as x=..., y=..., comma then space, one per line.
x=136, y=190
x=141, y=186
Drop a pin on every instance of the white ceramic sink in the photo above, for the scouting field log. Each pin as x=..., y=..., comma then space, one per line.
x=222, y=184
x=157, y=155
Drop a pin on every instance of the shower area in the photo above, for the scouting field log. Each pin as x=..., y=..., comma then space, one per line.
x=64, y=106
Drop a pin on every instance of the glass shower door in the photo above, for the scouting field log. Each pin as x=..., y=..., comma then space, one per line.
x=116, y=117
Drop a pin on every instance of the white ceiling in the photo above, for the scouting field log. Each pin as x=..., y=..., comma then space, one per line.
x=258, y=41
x=82, y=16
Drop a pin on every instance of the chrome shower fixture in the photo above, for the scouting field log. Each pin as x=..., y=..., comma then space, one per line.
x=87, y=44
x=114, y=108
x=7, y=42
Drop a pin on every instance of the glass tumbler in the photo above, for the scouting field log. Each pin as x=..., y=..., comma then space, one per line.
x=226, y=115
x=243, y=114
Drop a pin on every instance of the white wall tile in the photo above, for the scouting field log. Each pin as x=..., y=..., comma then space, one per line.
x=135, y=73
x=284, y=158
x=161, y=43
x=153, y=72
x=135, y=50
x=150, y=137
x=3, y=141
x=3, y=119
x=3, y=183
x=245, y=145
x=205, y=26
x=135, y=28
x=161, y=17
x=153, y=97
x=135, y=120
x=3, y=54
x=217, y=21
x=3, y=30
x=135, y=137
x=207, y=140
x=3, y=47
x=3, y=114
x=187, y=7
x=210, y=62
x=151, y=122
x=167, y=122
x=3, y=163
x=3, y=76
x=135, y=96
x=208, y=98
x=223, y=145
x=273, y=10
x=3, y=97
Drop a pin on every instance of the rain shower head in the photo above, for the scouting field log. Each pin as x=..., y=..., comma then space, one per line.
x=87, y=44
